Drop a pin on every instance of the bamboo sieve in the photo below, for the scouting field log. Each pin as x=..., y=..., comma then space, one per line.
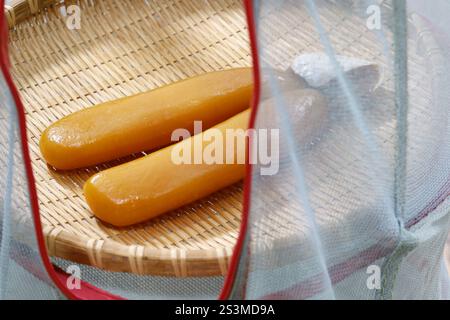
x=123, y=48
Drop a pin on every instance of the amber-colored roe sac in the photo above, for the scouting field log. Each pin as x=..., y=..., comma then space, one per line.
x=157, y=183
x=145, y=121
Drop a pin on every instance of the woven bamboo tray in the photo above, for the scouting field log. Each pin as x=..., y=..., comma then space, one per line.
x=123, y=48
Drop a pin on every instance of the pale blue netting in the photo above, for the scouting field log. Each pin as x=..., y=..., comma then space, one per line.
x=22, y=274
x=364, y=174
x=132, y=286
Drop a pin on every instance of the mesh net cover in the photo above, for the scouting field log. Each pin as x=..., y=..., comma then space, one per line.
x=358, y=93
x=363, y=178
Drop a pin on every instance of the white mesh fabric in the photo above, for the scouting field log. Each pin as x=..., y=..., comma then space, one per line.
x=132, y=286
x=364, y=183
x=22, y=274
